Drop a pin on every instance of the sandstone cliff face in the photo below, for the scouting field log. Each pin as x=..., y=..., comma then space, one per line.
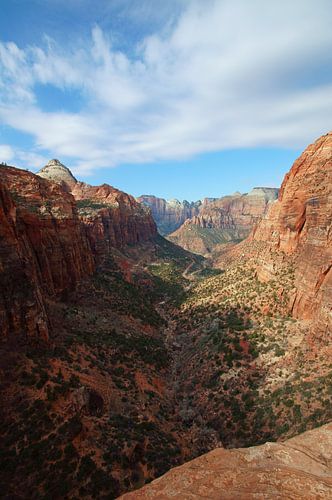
x=298, y=468
x=49, y=242
x=170, y=214
x=44, y=250
x=238, y=212
x=112, y=218
x=298, y=227
x=223, y=220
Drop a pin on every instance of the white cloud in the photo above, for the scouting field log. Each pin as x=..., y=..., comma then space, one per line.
x=227, y=74
x=6, y=153
x=28, y=158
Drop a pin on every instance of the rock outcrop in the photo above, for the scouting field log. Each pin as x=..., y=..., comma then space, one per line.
x=224, y=220
x=299, y=228
x=170, y=214
x=57, y=172
x=298, y=468
x=49, y=241
x=237, y=212
x=112, y=218
x=44, y=251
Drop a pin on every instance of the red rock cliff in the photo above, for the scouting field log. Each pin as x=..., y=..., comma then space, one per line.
x=44, y=250
x=112, y=218
x=49, y=241
x=299, y=226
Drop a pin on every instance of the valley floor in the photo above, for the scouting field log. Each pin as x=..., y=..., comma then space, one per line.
x=156, y=360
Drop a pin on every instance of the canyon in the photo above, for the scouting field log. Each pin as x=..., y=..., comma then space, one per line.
x=203, y=225
x=124, y=355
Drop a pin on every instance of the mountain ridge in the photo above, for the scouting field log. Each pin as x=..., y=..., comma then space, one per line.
x=225, y=220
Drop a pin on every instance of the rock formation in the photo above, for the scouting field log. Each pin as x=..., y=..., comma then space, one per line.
x=223, y=220
x=44, y=250
x=170, y=214
x=112, y=218
x=57, y=172
x=49, y=242
x=298, y=468
x=298, y=228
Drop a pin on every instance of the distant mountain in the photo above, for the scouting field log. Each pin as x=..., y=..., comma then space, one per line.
x=169, y=215
x=223, y=220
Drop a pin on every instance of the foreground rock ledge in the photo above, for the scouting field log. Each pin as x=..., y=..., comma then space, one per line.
x=300, y=468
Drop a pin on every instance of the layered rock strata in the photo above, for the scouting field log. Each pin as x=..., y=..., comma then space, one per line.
x=223, y=220
x=112, y=218
x=44, y=250
x=298, y=227
x=298, y=468
x=49, y=241
x=169, y=214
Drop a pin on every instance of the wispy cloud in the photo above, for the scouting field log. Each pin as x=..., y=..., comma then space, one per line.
x=227, y=74
x=6, y=152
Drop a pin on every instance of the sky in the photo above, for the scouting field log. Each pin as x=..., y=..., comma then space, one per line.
x=184, y=98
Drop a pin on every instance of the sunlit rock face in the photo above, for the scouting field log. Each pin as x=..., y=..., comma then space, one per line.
x=298, y=226
x=169, y=214
x=222, y=220
x=298, y=468
x=112, y=218
x=55, y=171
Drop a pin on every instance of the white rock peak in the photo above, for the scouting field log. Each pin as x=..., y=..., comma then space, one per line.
x=55, y=171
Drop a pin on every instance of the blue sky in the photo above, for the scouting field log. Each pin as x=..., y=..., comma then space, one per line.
x=184, y=98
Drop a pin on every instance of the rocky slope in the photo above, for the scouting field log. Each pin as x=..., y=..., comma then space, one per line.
x=170, y=214
x=227, y=219
x=297, y=468
x=86, y=406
